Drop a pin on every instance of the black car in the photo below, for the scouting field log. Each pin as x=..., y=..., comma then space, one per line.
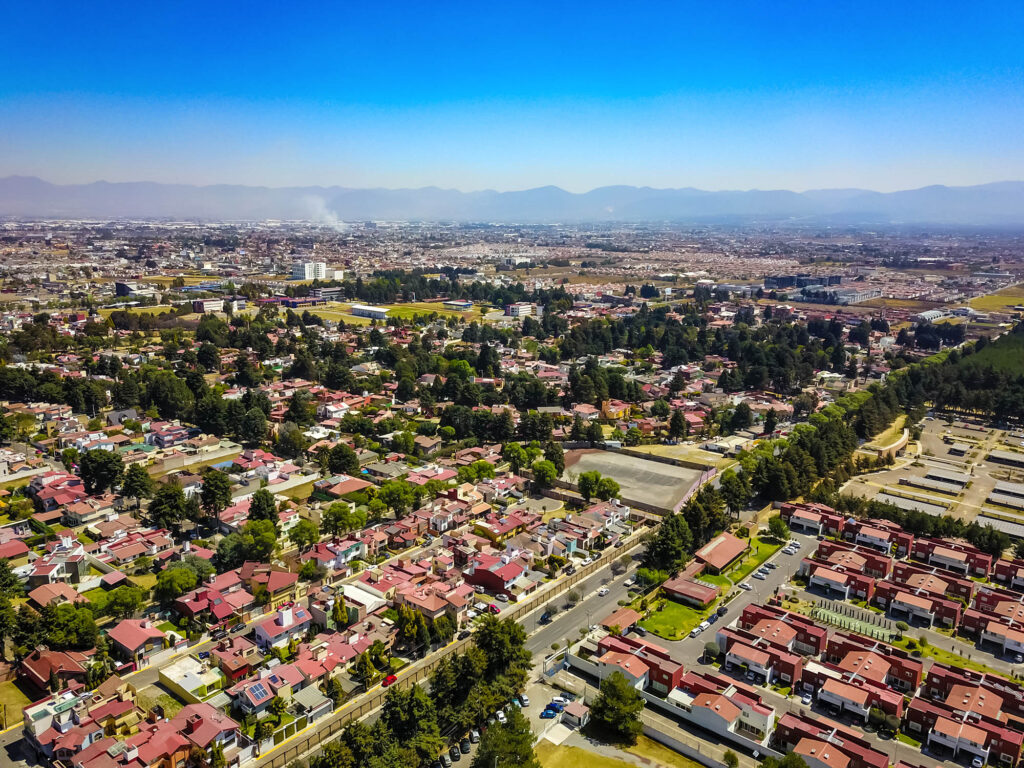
x=465, y=746
x=239, y=628
x=723, y=610
x=219, y=634
x=464, y=634
x=454, y=754
x=545, y=618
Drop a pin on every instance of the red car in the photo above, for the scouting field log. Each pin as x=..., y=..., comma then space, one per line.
x=493, y=608
x=389, y=680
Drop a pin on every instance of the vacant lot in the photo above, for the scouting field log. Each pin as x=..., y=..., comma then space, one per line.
x=687, y=453
x=650, y=482
x=154, y=310
x=1000, y=300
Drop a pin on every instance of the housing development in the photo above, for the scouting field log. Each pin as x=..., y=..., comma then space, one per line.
x=409, y=494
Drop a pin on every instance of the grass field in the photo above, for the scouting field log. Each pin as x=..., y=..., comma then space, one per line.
x=890, y=435
x=686, y=453
x=674, y=621
x=1000, y=300
x=1005, y=354
x=650, y=751
x=14, y=699
x=155, y=310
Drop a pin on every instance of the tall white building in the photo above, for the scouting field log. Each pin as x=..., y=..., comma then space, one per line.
x=309, y=270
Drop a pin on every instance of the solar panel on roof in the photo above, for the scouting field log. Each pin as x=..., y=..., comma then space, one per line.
x=259, y=691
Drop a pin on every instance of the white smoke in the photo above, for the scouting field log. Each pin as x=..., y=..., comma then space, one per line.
x=318, y=212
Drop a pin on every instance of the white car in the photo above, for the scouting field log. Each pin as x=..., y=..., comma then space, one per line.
x=560, y=700
x=695, y=631
x=602, y=591
x=629, y=582
x=503, y=597
x=746, y=586
x=760, y=576
x=501, y=717
x=586, y=561
x=704, y=625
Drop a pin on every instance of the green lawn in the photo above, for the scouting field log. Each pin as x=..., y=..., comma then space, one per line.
x=673, y=622
x=14, y=700
x=908, y=740
x=760, y=550
x=949, y=658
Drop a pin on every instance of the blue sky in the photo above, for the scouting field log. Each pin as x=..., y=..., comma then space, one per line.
x=716, y=95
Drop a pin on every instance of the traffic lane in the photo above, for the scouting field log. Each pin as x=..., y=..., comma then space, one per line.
x=567, y=622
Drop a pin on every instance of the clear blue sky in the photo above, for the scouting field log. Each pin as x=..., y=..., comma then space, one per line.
x=714, y=94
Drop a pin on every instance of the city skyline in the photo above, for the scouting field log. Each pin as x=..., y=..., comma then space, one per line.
x=464, y=97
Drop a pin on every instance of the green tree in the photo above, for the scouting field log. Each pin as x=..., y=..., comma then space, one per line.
x=771, y=421
x=616, y=710
x=587, y=484
x=137, y=483
x=216, y=493
x=263, y=507
x=172, y=583
x=677, y=426
x=364, y=669
x=777, y=528
x=507, y=746
x=124, y=602
x=169, y=506
x=669, y=548
x=277, y=707
x=100, y=470
x=607, y=489
x=253, y=427
x=731, y=759
x=544, y=473
x=342, y=460
x=304, y=534
x=514, y=454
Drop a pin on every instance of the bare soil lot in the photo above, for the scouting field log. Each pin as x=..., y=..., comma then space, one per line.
x=646, y=481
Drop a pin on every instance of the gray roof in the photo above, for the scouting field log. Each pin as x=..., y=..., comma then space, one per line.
x=309, y=697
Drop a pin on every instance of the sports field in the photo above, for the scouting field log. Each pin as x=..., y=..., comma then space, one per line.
x=687, y=453
x=650, y=482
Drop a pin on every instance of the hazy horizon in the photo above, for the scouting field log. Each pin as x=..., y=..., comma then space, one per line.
x=470, y=97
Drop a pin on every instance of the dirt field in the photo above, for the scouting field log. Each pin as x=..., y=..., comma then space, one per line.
x=646, y=481
x=687, y=453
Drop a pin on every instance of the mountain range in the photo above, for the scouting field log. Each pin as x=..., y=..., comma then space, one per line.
x=998, y=204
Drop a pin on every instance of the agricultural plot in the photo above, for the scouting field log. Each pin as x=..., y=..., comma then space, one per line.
x=1000, y=300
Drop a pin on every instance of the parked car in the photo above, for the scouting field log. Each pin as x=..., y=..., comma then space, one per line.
x=219, y=634
x=464, y=746
x=977, y=763
x=770, y=566
x=570, y=570
x=545, y=618
x=454, y=754
x=492, y=608
x=502, y=597
x=640, y=631
x=1018, y=659
x=464, y=634
x=389, y=680
x=562, y=700
x=474, y=736
x=548, y=714
x=602, y=591
x=555, y=707
x=760, y=576
x=806, y=699
x=722, y=610
x=629, y=582
x=586, y=561
x=446, y=761
x=704, y=625
x=239, y=628
x=524, y=699
x=501, y=717
x=745, y=585
x=695, y=631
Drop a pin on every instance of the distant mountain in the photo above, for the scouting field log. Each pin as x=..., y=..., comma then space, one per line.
x=998, y=204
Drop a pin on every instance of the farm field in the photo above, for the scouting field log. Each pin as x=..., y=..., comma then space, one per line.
x=886, y=303
x=1000, y=300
